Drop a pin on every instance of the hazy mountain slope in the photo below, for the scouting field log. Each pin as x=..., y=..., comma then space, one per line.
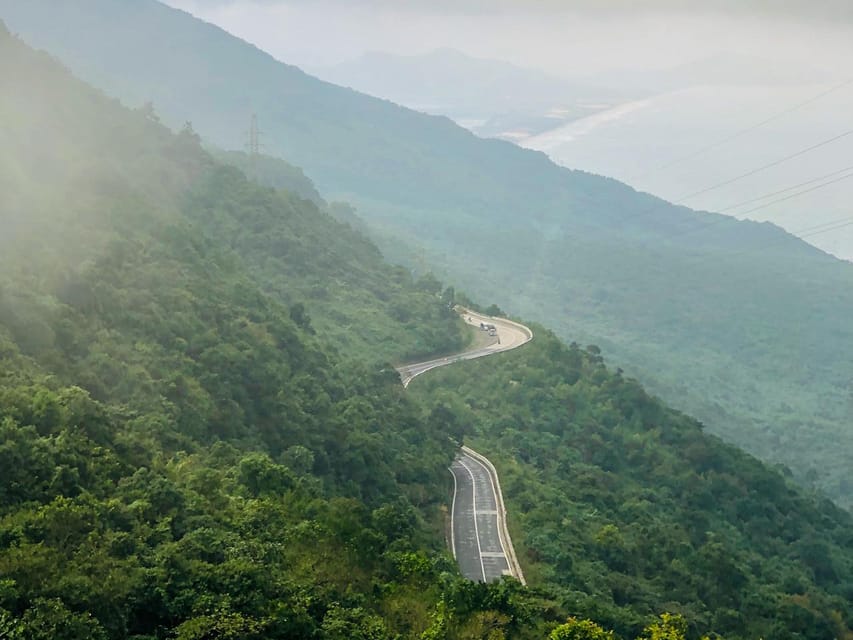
x=490, y=97
x=182, y=456
x=312, y=261
x=343, y=140
x=449, y=78
x=744, y=326
x=273, y=172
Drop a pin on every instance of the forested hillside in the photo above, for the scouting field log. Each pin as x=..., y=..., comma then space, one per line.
x=184, y=453
x=192, y=447
x=737, y=323
x=623, y=507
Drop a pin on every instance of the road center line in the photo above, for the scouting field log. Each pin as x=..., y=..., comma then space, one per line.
x=452, y=514
x=497, y=505
x=476, y=528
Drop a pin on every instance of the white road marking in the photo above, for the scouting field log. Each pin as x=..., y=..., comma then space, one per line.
x=497, y=502
x=514, y=335
x=476, y=528
x=452, y=513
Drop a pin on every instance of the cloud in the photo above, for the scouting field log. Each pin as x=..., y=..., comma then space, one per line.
x=569, y=38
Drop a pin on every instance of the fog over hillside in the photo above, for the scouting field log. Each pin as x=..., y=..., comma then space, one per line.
x=736, y=323
x=203, y=430
x=632, y=93
x=563, y=38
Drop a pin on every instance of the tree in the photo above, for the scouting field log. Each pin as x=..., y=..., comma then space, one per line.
x=260, y=475
x=10, y=628
x=300, y=317
x=222, y=625
x=341, y=623
x=578, y=629
x=449, y=296
x=148, y=112
x=50, y=619
x=669, y=627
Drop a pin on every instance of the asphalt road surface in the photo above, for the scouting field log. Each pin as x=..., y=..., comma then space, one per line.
x=509, y=336
x=475, y=522
x=478, y=534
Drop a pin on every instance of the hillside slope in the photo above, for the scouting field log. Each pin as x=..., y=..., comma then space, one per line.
x=622, y=507
x=739, y=323
x=182, y=454
x=185, y=454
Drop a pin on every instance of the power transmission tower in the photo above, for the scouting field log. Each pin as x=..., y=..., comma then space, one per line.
x=253, y=143
x=253, y=146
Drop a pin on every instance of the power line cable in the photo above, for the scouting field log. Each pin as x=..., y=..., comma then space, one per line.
x=796, y=186
x=818, y=227
x=680, y=201
x=769, y=165
x=801, y=234
x=798, y=194
x=768, y=204
x=836, y=227
x=743, y=132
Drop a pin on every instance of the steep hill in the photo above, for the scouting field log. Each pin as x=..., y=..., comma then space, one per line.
x=187, y=453
x=622, y=507
x=183, y=454
x=739, y=323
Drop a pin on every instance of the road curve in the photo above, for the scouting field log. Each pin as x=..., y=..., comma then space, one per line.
x=510, y=335
x=479, y=537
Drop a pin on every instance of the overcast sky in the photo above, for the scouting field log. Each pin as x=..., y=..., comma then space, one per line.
x=568, y=37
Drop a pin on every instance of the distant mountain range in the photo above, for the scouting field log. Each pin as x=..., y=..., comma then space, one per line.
x=498, y=99
x=488, y=96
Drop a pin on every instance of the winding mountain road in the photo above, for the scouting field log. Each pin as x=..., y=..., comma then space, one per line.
x=479, y=537
x=510, y=335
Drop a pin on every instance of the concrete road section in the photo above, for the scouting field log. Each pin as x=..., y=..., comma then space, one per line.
x=476, y=522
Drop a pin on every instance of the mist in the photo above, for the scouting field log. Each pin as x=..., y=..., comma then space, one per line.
x=569, y=39
x=612, y=90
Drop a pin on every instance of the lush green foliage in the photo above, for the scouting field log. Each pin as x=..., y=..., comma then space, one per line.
x=575, y=629
x=626, y=508
x=272, y=172
x=302, y=256
x=182, y=452
x=736, y=323
x=196, y=441
x=102, y=537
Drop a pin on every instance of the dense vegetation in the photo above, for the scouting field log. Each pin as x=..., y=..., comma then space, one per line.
x=199, y=439
x=271, y=171
x=736, y=323
x=623, y=507
x=181, y=454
